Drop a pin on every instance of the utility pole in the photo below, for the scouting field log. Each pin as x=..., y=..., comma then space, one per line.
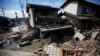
x=18, y=22
x=3, y=12
x=21, y=2
x=22, y=7
x=16, y=15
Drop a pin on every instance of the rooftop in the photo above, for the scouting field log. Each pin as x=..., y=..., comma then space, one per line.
x=82, y=2
x=41, y=7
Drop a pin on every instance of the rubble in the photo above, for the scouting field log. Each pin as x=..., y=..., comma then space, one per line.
x=85, y=49
x=72, y=49
x=4, y=52
x=79, y=35
x=26, y=38
x=94, y=34
x=49, y=50
x=77, y=46
x=65, y=39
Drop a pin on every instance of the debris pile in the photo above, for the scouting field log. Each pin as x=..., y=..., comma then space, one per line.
x=79, y=45
x=79, y=48
x=49, y=50
x=71, y=48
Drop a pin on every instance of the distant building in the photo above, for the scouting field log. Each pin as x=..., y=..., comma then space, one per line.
x=79, y=7
x=37, y=11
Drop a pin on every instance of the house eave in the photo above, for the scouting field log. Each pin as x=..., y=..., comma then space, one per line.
x=40, y=7
x=82, y=2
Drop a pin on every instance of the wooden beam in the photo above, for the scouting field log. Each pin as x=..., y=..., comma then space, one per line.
x=74, y=50
x=61, y=52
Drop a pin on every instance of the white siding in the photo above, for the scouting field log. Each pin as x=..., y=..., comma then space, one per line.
x=31, y=19
x=71, y=8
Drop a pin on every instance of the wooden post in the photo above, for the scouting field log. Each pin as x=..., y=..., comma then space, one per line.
x=61, y=52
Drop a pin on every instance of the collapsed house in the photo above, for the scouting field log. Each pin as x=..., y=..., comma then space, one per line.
x=45, y=18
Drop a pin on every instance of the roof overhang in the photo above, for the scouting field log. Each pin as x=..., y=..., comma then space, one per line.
x=39, y=7
x=82, y=2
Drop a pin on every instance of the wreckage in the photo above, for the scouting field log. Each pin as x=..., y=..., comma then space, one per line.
x=66, y=38
x=45, y=19
x=76, y=46
x=82, y=45
x=67, y=49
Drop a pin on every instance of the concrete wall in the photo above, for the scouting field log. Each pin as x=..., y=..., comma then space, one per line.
x=71, y=8
x=31, y=17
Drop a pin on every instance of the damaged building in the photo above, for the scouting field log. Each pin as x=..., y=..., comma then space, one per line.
x=74, y=40
x=46, y=20
x=73, y=31
x=83, y=11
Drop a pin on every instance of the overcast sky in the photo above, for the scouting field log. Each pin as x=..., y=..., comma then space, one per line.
x=12, y=6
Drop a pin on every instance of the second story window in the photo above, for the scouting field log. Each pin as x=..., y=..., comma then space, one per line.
x=86, y=10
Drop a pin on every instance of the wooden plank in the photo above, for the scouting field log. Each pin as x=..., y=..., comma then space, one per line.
x=54, y=28
x=94, y=35
x=84, y=50
x=61, y=52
